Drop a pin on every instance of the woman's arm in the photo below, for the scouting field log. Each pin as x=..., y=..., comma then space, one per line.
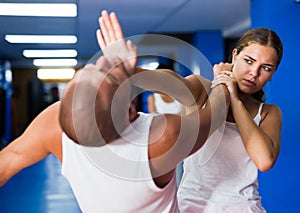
x=261, y=142
x=42, y=137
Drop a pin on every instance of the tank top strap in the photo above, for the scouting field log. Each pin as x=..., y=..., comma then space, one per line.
x=260, y=108
x=257, y=118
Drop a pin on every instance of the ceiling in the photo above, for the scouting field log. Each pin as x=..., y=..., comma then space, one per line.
x=137, y=17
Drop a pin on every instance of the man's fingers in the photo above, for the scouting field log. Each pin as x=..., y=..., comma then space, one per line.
x=104, y=30
x=108, y=26
x=100, y=39
x=116, y=26
x=111, y=32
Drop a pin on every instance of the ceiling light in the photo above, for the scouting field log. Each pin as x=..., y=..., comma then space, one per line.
x=59, y=39
x=38, y=9
x=50, y=53
x=55, y=74
x=54, y=62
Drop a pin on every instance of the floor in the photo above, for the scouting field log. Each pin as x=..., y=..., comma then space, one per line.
x=38, y=189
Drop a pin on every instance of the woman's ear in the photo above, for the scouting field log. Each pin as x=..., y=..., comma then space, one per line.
x=234, y=54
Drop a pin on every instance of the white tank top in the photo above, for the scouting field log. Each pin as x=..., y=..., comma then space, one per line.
x=165, y=107
x=117, y=177
x=221, y=177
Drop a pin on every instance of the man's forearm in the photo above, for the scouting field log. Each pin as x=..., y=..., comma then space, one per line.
x=184, y=90
x=219, y=100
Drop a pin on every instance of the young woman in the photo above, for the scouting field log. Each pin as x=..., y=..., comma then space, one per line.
x=222, y=175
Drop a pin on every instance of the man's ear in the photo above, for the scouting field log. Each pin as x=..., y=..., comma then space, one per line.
x=132, y=113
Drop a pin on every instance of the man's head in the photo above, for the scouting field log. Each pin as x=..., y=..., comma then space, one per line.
x=94, y=107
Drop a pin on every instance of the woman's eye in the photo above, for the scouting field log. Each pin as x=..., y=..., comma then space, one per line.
x=248, y=61
x=267, y=68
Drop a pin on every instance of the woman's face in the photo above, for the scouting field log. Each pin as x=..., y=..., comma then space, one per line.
x=253, y=67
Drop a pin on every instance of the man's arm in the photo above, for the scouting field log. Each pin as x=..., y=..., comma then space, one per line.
x=174, y=137
x=111, y=40
x=186, y=90
x=189, y=91
x=42, y=137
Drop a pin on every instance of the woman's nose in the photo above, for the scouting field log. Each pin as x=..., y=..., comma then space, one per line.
x=255, y=71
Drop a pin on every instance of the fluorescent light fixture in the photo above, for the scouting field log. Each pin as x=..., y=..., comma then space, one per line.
x=38, y=9
x=54, y=62
x=50, y=53
x=33, y=39
x=150, y=66
x=55, y=74
x=8, y=76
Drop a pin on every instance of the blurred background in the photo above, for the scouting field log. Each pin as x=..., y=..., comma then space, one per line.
x=40, y=52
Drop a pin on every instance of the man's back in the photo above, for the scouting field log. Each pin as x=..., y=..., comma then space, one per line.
x=117, y=177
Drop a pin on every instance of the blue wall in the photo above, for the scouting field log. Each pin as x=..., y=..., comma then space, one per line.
x=280, y=186
x=211, y=45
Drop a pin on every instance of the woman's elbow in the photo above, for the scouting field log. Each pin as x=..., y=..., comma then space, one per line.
x=264, y=167
x=266, y=164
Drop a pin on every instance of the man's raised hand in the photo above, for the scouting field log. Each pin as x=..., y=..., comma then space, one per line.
x=112, y=42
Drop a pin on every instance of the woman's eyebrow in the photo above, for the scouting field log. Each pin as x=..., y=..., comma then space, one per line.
x=272, y=65
x=250, y=57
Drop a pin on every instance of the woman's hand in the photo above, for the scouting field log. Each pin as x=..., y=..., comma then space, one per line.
x=226, y=78
x=218, y=68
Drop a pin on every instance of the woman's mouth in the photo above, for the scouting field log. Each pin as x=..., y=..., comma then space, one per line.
x=249, y=82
